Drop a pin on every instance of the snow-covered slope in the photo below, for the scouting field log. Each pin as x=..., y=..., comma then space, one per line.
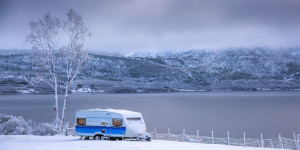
x=232, y=69
x=30, y=142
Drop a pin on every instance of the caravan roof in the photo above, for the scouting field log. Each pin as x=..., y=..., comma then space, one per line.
x=124, y=113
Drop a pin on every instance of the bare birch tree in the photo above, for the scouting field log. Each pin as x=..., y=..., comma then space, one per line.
x=74, y=56
x=43, y=38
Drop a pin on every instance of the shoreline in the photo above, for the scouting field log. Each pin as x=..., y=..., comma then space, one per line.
x=157, y=92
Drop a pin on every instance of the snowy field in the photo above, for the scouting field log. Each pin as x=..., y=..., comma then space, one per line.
x=30, y=142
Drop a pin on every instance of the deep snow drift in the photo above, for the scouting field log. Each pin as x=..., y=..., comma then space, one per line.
x=30, y=142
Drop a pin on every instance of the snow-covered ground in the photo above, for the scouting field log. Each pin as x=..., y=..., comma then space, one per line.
x=30, y=142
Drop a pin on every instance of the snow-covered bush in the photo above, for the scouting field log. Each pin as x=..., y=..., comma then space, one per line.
x=42, y=129
x=11, y=125
x=16, y=125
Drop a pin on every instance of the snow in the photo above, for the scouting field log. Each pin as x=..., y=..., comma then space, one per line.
x=87, y=90
x=231, y=69
x=125, y=113
x=27, y=91
x=134, y=121
x=31, y=142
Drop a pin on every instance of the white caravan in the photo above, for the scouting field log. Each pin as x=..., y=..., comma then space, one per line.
x=110, y=124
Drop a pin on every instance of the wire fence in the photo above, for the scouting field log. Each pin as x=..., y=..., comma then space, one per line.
x=279, y=142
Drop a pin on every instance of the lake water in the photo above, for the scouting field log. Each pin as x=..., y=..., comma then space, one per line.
x=267, y=112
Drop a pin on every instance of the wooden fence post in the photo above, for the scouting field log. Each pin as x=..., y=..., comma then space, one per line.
x=183, y=133
x=298, y=147
x=154, y=133
x=280, y=144
x=272, y=144
x=228, y=142
x=197, y=135
x=261, y=140
x=295, y=139
x=169, y=134
x=244, y=139
x=212, y=137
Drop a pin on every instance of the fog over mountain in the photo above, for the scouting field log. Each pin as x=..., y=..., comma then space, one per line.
x=129, y=26
x=163, y=45
x=196, y=70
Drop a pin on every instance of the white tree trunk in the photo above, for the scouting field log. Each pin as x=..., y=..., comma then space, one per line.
x=75, y=58
x=56, y=106
x=65, y=105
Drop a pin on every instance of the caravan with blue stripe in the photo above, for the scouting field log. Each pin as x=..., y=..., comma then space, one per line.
x=110, y=124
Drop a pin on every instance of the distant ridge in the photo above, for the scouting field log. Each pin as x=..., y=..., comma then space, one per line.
x=193, y=70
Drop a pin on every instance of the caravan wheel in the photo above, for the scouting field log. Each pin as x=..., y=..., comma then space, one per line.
x=97, y=137
x=102, y=138
x=86, y=138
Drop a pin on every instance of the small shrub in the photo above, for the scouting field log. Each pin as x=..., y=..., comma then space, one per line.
x=43, y=129
x=11, y=125
x=16, y=125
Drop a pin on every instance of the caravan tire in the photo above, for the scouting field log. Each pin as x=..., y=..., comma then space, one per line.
x=98, y=137
x=115, y=139
x=102, y=138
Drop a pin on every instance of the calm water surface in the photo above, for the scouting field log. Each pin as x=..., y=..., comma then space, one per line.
x=269, y=112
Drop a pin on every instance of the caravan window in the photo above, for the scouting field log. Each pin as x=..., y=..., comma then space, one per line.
x=133, y=121
x=117, y=122
x=81, y=121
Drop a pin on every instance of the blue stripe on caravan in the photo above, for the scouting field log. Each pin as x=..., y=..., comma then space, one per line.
x=118, y=130
x=84, y=130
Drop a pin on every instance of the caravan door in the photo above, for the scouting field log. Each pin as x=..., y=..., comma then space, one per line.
x=108, y=125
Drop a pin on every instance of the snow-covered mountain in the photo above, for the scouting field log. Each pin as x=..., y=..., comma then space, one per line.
x=231, y=69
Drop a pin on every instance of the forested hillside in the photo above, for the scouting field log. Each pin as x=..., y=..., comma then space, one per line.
x=200, y=70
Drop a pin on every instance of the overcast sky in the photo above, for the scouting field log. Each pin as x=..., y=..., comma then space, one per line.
x=125, y=26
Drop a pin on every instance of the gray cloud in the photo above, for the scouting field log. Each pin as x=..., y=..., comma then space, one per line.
x=124, y=26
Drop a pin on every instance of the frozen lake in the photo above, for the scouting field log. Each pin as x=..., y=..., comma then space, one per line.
x=267, y=112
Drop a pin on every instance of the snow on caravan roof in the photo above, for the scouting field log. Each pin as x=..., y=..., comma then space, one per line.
x=125, y=113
